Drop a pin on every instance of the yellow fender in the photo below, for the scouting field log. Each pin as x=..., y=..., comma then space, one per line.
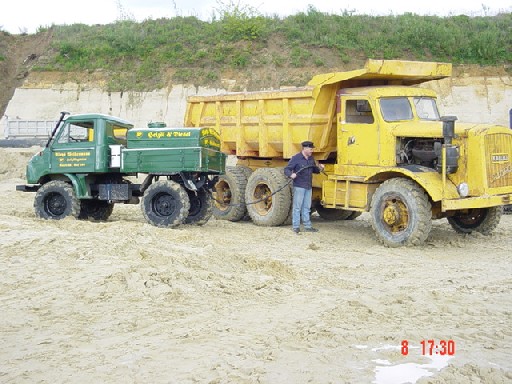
x=431, y=181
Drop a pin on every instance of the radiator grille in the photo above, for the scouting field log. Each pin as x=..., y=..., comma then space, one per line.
x=498, y=153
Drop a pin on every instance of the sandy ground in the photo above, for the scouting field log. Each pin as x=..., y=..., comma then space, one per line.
x=125, y=302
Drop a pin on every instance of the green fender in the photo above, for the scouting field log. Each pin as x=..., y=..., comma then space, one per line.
x=430, y=181
x=80, y=185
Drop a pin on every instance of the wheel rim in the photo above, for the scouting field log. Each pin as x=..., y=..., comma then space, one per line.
x=55, y=204
x=195, y=205
x=395, y=215
x=222, y=195
x=164, y=204
x=262, y=191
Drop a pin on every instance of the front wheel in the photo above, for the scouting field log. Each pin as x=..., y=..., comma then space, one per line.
x=401, y=213
x=165, y=204
x=56, y=200
x=483, y=220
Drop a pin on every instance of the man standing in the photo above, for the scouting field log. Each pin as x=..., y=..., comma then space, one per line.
x=300, y=168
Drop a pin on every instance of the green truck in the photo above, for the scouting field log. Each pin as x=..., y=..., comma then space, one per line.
x=84, y=170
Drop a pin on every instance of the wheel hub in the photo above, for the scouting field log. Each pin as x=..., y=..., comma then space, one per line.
x=391, y=214
x=164, y=205
x=56, y=204
x=395, y=215
x=263, y=192
x=222, y=195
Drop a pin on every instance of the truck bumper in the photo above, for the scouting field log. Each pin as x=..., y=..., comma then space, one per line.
x=476, y=202
x=28, y=188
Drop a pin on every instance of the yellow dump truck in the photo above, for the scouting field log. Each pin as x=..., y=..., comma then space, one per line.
x=385, y=148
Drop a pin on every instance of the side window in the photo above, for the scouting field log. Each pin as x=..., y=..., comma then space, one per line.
x=358, y=112
x=77, y=132
x=117, y=132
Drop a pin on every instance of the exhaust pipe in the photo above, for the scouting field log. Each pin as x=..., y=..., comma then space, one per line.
x=452, y=151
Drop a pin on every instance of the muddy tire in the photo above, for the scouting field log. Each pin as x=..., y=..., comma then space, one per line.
x=201, y=207
x=289, y=218
x=401, y=213
x=245, y=170
x=483, y=220
x=247, y=173
x=274, y=210
x=507, y=209
x=229, y=195
x=165, y=204
x=99, y=210
x=56, y=200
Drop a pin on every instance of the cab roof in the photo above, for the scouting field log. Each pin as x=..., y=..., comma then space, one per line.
x=91, y=116
x=388, y=91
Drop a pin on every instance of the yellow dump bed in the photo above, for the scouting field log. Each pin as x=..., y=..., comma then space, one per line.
x=272, y=124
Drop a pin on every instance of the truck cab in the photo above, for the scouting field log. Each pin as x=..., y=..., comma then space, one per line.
x=82, y=144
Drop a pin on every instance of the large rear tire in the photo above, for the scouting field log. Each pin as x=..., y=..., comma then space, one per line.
x=483, y=220
x=401, y=213
x=247, y=173
x=165, y=204
x=229, y=195
x=56, y=200
x=201, y=207
x=265, y=207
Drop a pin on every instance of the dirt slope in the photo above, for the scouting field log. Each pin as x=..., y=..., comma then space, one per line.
x=20, y=52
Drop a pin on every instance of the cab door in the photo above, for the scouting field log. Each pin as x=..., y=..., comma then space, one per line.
x=74, y=150
x=358, y=132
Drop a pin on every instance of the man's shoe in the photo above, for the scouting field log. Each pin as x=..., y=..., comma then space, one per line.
x=310, y=229
x=296, y=230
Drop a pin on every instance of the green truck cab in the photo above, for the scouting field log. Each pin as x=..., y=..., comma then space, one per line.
x=82, y=171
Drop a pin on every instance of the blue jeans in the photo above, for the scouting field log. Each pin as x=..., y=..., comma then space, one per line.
x=301, y=205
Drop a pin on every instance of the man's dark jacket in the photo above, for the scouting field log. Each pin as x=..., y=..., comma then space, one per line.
x=304, y=168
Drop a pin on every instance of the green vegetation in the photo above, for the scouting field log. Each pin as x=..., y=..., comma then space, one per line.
x=139, y=55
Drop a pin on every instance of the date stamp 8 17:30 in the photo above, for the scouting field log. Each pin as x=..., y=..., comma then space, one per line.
x=432, y=347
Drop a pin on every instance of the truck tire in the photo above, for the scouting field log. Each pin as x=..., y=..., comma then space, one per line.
x=507, y=209
x=165, y=204
x=245, y=170
x=483, y=220
x=99, y=210
x=274, y=210
x=401, y=213
x=229, y=195
x=201, y=207
x=247, y=173
x=56, y=200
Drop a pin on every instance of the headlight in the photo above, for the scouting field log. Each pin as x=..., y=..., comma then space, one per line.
x=463, y=189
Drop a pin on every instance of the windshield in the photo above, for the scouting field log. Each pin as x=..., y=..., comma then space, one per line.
x=426, y=108
x=396, y=108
